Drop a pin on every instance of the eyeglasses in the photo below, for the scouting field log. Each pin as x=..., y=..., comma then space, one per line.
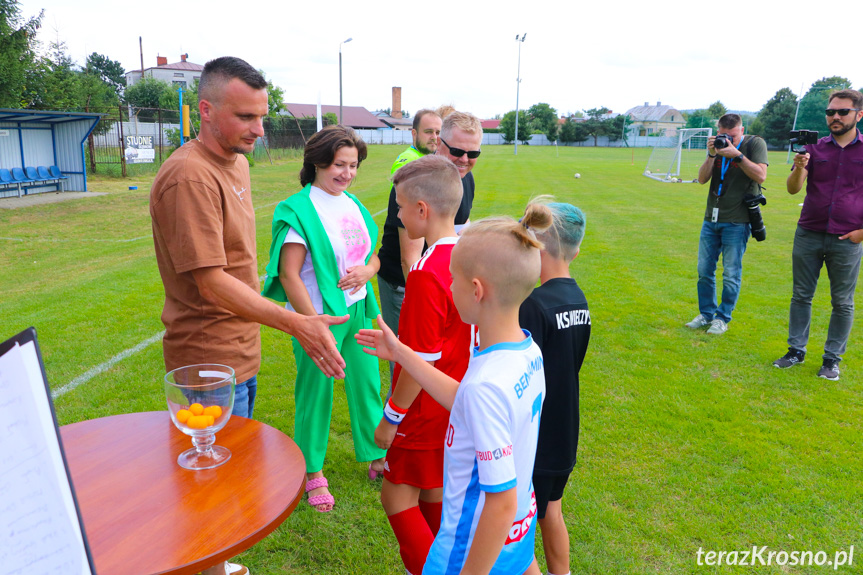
x=458, y=152
x=842, y=112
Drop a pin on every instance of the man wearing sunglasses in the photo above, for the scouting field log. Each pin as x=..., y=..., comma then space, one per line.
x=735, y=166
x=828, y=231
x=461, y=139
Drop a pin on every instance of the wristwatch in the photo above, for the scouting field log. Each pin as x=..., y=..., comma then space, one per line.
x=739, y=158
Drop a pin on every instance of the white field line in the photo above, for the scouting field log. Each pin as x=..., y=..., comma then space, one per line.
x=102, y=367
x=65, y=240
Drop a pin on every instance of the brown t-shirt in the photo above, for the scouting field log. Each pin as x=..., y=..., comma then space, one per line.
x=201, y=206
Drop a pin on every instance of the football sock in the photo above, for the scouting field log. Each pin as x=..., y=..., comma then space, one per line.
x=432, y=511
x=414, y=537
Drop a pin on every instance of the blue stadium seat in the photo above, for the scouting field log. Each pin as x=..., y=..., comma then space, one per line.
x=18, y=176
x=55, y=171
x=6, y=180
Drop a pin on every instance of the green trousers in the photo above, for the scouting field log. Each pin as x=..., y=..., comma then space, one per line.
x=313, y=395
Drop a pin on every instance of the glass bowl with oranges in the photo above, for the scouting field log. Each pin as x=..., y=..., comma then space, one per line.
x=200, y=401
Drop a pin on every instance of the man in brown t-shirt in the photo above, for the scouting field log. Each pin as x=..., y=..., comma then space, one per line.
x=204, y=231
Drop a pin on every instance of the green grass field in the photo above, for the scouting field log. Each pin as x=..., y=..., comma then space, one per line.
x=688, y=441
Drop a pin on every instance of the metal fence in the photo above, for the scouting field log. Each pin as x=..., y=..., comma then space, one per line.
x=124, y=132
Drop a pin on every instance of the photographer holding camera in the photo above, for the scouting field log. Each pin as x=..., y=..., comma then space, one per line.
x=828, y=232
x=735, y=166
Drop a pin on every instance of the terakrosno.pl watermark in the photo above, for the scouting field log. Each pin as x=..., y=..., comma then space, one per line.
x=762, y=556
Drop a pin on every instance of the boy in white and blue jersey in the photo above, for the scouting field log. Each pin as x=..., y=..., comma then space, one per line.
x=490, y=448
x=489, y=508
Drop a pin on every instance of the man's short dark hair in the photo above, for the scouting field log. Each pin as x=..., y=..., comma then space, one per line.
x=730, y=121
x=419, y=116
x=222, y=70
x=853, y=95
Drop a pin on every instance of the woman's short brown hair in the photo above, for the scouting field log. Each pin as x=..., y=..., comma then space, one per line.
x=320, y=151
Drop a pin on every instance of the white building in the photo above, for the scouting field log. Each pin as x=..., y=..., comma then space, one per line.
x=183, y=73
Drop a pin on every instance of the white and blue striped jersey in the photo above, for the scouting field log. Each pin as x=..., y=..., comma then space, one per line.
x=490, y=448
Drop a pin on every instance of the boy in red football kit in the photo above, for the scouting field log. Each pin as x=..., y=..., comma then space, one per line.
x=413, y=427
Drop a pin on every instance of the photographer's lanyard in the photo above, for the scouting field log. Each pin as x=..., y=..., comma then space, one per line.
x=726, y=163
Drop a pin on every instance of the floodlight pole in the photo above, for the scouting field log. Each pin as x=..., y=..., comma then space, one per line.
x=517, y=86
x=340, y=78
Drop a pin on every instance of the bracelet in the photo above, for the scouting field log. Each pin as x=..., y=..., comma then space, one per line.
x=709, y=156
x=393, y=413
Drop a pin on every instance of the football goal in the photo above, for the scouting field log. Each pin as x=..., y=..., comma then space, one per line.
x=678, y=159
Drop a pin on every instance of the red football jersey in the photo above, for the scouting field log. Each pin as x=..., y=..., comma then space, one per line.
x=430, y=325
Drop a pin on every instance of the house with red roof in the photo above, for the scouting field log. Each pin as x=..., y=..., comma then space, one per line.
x=356, y=117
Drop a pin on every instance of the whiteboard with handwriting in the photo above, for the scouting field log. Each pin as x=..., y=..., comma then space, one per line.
x=40, y=529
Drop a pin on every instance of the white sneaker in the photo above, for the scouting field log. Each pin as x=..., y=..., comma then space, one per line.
x=698, y=322
x=717, y=327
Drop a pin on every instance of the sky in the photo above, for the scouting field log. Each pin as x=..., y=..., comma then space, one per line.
x=575, y=56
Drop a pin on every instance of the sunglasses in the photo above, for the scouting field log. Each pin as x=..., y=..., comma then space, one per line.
x=842, y=112
x=458, y=152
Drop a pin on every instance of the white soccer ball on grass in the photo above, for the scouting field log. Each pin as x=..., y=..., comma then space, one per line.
x=577, y=175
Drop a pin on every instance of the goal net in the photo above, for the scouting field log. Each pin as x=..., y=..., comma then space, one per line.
x=678, y=159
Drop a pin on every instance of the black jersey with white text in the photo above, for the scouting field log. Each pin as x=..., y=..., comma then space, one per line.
x=557, y=317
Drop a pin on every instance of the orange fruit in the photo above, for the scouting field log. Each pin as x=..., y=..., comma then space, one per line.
x=213, y=410
x=210, y=420
x=183, y=415
x=196, y=409
x=198, y=421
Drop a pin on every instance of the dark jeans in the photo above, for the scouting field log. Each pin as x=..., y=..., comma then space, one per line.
x=811, y=251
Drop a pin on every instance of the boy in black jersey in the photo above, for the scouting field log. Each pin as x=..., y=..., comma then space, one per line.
x=557, y=317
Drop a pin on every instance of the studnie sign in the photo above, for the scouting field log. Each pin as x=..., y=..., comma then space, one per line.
x=139, y=150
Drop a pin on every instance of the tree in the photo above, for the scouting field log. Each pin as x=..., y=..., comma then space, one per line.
x=813, y=104
x=150, y=93
x=755, y=128
x=507, y=126
x=595, y=125
x=700, y=119
x=17, y=52
x=618, y=127
x=543, y=119
x=572, y=131
x=109, y=71
x=777, y=117
x=54, y=83
x=275, y=97
x=716, y=110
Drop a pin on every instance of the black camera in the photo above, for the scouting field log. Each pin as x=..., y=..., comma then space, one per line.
x=756, y=222
x=801, y=138
x=722, y=141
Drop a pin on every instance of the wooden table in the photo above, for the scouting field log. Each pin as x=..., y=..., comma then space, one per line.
x=144, y=514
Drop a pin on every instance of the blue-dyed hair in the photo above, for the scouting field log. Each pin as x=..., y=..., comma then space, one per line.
x=563, y=239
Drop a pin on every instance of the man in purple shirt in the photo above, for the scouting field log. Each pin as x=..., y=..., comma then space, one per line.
x=829, y=231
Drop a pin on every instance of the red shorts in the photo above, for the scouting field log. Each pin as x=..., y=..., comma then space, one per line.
x=421, y=468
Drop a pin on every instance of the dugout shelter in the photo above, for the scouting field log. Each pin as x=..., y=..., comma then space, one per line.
x=43, y=151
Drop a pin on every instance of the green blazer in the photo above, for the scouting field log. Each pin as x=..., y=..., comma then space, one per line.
x=299, y=213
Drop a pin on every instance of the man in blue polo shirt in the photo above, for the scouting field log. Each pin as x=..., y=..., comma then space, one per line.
x=828, y=232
